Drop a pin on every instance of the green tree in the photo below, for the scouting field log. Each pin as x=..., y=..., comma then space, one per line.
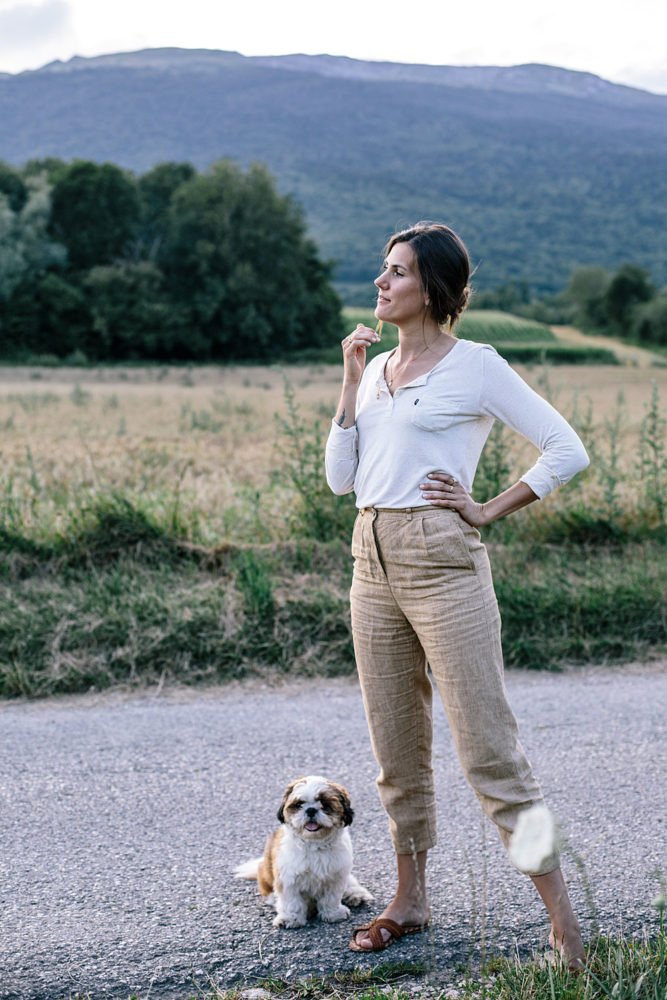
x=51, y=166
x=12, y=187
x=237, y=257
x=586, y=292
x=48, y=315
x=26, y=250
x=95, y=213
x=507, y=298
x=131, y=317
x=629, y=287
x=155, y=192
x=651, y=319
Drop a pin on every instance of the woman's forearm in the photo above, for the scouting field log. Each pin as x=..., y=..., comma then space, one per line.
x=442, y=490
x=347, y=405
x=516, y=497
x=354, y=361
x=341, y=455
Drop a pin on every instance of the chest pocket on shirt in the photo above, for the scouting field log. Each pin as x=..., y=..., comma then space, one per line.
x=434, y=411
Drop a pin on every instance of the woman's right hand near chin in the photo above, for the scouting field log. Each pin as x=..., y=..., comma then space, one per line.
x=354, y=352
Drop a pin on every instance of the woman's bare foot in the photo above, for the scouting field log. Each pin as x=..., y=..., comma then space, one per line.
x=565, y=937
x=569, y=946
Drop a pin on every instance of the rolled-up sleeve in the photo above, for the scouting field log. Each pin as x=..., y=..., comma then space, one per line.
x=507, y=397
x=341, y=458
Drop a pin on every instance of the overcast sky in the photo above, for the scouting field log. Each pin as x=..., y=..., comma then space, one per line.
x=621, y=40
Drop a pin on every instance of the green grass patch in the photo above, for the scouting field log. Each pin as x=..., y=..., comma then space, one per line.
x=618, y=969
x=135, y=613
x=167, y=610
x=561, y=604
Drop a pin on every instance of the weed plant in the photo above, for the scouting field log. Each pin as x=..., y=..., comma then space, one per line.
x=317, y=512
x=652, y=463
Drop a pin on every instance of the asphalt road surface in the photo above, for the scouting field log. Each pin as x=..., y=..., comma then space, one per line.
x=122, y=817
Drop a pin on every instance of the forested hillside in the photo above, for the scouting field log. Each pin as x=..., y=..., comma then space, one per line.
x=541, y=170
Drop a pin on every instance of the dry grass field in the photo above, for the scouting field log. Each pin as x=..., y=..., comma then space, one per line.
x=207, y=438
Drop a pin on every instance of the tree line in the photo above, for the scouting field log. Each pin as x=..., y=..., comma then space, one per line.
x=99, y=264
x=624, y=303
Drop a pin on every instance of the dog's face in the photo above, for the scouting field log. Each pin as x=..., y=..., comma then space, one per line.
x=314, y=807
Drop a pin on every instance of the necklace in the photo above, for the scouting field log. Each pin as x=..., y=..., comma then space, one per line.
x=390, y=376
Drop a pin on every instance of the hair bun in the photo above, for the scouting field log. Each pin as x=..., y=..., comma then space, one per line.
x=462, y=303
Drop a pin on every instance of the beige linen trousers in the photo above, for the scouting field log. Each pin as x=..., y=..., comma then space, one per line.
x=422, y=596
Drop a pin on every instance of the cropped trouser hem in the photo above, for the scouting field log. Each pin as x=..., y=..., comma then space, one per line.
x=422, y=596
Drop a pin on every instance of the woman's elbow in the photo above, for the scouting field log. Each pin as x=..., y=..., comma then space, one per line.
x=576, y=462
x=340, y=475
x=582, y=458
x=338, y=488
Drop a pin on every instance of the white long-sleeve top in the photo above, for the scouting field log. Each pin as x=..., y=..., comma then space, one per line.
x=440, y=422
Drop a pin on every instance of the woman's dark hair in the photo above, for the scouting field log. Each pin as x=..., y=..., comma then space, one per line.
x=444, y=267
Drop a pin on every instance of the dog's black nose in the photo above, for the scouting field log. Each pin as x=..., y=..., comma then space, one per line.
x=311, y=811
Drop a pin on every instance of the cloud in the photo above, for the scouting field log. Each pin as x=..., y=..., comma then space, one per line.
x=646, y=77
x=25, y=26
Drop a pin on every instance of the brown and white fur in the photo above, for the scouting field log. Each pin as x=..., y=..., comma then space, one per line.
x=306, y=869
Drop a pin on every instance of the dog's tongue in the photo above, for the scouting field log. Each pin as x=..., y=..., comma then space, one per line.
x=312, y=826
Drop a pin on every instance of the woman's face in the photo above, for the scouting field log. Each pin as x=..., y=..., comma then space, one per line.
x=401, y=296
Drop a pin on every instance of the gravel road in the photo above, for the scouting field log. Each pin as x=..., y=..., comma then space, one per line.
x=122, y=816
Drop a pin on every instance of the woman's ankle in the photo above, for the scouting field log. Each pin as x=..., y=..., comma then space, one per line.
x=407, y=908
x=566, y=941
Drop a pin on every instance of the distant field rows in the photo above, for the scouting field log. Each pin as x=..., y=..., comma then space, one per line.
x=486, y=326
x=519, y=340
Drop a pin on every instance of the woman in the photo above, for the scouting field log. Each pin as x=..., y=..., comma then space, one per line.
x=407, y=436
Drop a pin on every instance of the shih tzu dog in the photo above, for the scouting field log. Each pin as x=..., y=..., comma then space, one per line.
x=306, y=869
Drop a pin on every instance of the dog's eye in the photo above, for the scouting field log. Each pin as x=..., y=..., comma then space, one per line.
x=295, y=804
x=325, y=806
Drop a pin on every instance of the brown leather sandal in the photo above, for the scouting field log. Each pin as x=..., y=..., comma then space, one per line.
x=375, y=928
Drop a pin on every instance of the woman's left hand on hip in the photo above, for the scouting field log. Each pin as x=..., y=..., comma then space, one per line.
x=443, y=490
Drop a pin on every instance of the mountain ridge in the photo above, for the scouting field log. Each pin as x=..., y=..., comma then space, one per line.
x=541, y=169
x=531, y=77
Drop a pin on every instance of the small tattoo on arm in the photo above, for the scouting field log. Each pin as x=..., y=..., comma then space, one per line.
x=342, y=418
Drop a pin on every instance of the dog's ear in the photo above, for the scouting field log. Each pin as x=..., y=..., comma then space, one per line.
x=348, y=811
x=288, y=791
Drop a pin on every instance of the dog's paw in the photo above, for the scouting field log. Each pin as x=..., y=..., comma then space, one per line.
x=356, y=895
x=334, y=914
x=282, y=920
